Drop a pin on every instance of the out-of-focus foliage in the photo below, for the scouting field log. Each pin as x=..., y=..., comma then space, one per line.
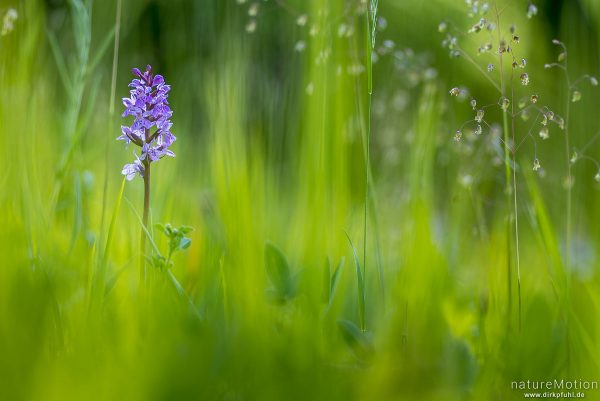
x=271, y=113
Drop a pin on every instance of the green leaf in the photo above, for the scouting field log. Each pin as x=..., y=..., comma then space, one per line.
x=336, y=278
x=361, y=286
x=358, y=341
x=160, y=227
x=278, y=271
x=186, y=229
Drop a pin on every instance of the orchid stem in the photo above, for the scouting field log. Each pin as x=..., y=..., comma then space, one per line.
x=145, y=220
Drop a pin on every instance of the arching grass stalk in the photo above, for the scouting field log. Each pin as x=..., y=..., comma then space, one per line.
x=111, y=109
x=371, y=16
x=507, y=106
x=569, y=180
x=149, y=105
x=510, y=180
x=514, y=190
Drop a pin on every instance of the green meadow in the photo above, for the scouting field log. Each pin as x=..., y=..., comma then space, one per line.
x=375, y=200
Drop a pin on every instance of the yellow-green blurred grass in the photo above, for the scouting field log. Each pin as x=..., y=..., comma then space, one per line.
x=445, y=330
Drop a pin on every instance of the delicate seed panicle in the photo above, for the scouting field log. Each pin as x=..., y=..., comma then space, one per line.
x=251, y=26
x=532, y=11
x=504, y=103
x=381, y=23
x=502, y=47
x=479, y=116
x=473, y=103
x=8, y=22
x=534, y=99
x=575, y=96
x=253, y=9
x=478, y=26
x=544, y=133
x=484, y=48
x=550, y=115
x=310, y=88
x=454, y=91
x=478, y=130
x=536, y=164
x=302, y=20
x=458, y=135
x=524, y=79
x=574, y=157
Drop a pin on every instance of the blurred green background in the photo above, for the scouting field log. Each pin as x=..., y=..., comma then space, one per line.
x=272, y=115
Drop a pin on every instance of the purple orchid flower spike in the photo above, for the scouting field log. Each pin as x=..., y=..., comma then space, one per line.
x=150, y=130
x=148, y=104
